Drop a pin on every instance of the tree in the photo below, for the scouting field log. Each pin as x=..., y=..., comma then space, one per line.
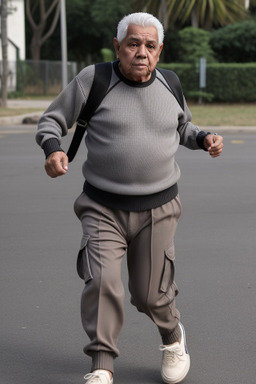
x=200, y=13
x=41, y=30
x=207, y=14
x=91, y=25
x=252, y=7
x=158, y=8
x=84, y=38
x=106, y=15
x=4, y=40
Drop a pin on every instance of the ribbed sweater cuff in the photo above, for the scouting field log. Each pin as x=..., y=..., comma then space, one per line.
x=50, y=146
x=200, y=139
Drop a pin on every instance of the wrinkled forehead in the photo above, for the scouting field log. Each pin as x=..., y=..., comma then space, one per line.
x=138, y=32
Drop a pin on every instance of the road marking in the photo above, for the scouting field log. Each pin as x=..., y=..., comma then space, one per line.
x=237, y=141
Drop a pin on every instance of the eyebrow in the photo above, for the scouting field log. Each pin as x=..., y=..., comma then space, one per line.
x=133, y=38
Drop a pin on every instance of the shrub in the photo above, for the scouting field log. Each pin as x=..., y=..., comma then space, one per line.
x=107, y=54
x=232, y=82
x=235, y=43
x=187, y=74
x=229, y=82
x=193, y=44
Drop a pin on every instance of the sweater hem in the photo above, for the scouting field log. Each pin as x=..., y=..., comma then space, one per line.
x=134, y=203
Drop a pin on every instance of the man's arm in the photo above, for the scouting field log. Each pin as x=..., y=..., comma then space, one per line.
x=59, y=118
x=191, y=137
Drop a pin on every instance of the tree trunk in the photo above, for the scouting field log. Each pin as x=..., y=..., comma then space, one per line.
x=40, y=34
x=194, y=19
x=36, y=43
x=163, y=15
x=4, y=79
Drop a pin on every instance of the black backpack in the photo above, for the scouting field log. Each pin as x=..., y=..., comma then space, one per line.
x=98, y=91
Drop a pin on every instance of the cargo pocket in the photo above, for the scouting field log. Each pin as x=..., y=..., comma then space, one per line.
x=83, y=262
x=168, y=285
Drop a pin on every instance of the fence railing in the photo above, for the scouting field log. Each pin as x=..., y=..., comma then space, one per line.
x=229, y=82
x=37, y=77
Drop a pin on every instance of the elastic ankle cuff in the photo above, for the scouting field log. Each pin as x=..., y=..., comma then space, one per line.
x=102, y=360
x=173, y=337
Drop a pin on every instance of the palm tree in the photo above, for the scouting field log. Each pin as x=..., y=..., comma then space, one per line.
x=162, y=14
x=205, y=14
x=201, y=13
x=155, y=7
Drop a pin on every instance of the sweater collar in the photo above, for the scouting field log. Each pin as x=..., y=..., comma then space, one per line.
x=130, y=82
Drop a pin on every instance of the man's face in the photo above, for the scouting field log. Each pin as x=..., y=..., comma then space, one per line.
x=138, y=53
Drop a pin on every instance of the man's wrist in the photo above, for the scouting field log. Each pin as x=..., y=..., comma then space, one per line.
x=200, y=138
x=50, y=146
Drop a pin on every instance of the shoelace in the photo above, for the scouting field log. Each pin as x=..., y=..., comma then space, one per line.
x=171, y=354
x=93, y=377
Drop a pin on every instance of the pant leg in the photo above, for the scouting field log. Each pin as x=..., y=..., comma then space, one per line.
x=99, y=264
x=151, y=257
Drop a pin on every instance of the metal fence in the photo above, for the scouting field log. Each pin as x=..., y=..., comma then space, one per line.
x=42, y=77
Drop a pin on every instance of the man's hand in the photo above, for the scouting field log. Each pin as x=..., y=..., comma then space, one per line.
x=56, y=164
x=213, y=144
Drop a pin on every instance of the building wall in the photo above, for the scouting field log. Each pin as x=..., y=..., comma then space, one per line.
x=16, y=36
x=16, y=29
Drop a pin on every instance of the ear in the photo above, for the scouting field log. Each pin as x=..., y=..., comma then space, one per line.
x=160, y=50
x=116, y=46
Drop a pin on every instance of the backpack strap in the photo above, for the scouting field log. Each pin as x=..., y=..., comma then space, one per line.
x=97, y=93
x=174, y=83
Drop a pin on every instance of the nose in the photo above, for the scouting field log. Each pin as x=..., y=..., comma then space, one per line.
x=142, y=52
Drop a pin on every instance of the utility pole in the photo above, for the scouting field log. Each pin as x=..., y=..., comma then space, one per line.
x=4, y=41
x=63, y=43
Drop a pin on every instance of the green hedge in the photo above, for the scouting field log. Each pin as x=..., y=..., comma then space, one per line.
x=231, y=82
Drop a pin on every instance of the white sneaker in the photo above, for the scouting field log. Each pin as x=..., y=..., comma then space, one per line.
x=99, y=376
x=175, y=360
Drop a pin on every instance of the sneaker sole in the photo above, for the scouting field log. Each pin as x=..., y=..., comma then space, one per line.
x=176, y=380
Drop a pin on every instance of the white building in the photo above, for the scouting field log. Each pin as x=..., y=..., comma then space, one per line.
x=16, y=38
x=16, y=28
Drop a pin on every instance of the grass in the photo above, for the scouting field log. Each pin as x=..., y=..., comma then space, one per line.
x=203, y=115
x=224, y=114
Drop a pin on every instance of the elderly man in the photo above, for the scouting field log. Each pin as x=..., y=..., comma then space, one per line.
x=130, y=203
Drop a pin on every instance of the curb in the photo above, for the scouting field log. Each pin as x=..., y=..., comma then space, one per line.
x=28, y=118
x=33, y=118
x=229, y=129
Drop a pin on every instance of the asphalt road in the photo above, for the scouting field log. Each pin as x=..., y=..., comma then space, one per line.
x=41, y=337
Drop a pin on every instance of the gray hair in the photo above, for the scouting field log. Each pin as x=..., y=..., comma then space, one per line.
x=142, y=19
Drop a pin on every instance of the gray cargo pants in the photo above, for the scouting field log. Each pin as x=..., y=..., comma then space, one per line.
x=147, y=237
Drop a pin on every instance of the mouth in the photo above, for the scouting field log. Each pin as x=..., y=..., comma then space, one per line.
x=140, y=65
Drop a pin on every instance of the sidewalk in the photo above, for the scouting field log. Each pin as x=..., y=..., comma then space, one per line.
x=32, y=118
x=17, y=103
x=28, y=118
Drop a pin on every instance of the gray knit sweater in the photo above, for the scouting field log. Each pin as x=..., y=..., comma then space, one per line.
x=131, y=139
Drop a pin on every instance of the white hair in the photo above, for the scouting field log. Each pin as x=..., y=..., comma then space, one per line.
x=142, y=19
